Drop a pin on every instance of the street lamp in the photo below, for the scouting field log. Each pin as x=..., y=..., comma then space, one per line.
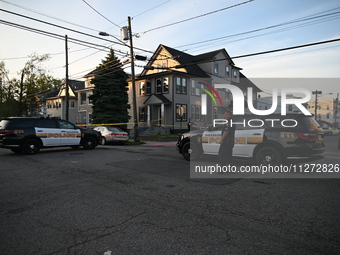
x=134, y=97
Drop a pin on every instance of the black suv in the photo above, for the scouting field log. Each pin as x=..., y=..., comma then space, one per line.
x=29, y=135
x=266, y=139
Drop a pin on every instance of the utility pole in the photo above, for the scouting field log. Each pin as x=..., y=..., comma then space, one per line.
x=66, y=80
x=316, y=93
x=133, y=85
x=336, y=111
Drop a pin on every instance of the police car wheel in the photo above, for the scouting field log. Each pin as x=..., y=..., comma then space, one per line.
x=31, y=146
x=190, y=151
x=269, y=156
x=89, y=143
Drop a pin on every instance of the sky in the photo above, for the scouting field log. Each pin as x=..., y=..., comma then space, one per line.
x=239, y=26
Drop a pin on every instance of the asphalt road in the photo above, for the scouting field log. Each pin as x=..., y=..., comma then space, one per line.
x=141, y=200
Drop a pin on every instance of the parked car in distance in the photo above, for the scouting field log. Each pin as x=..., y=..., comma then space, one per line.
x=29, y=135
x=112, y=135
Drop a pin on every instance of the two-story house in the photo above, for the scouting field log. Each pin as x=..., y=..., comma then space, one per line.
x=169, y=88
x=55, y=102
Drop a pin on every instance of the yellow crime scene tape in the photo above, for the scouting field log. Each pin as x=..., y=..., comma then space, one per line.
x=129, y=123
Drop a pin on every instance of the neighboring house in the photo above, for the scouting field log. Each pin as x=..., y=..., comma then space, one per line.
x=169, y=88
x=84, y=103
x=55, y=102
x=265, y=103
x=327, y=113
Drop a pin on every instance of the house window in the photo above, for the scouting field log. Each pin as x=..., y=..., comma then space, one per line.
x=181, y=112
x=327, y=115
x=148, y=88
x=227, y=71
x=158, y=86
x=142, y=113
x=82, y=98
x=196, y=88
x=181, y=85
x=215, y=67
x=89, y=100
x=142, y=88
x=165, y=85
x=198, y=113
x=235, y=74
x=72, y=104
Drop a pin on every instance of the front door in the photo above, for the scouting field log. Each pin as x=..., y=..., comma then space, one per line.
x=69, y=133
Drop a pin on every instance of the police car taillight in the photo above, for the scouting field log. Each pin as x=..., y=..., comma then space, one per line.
x=307, y=136
x=5, y=132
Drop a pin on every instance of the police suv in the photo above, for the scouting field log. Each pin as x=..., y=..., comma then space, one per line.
x=266, y=139
x=29, y=135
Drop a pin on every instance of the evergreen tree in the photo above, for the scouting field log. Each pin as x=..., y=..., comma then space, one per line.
x=110, y=97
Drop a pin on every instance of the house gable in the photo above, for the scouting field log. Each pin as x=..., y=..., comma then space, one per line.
x=169, y=59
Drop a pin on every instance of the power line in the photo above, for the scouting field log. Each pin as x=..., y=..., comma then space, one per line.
x=199, y=16
x=53, y=35
x=72, y=30
x=288, y=48
x=257, y=53
x=306, y=18
x=100, y=14
x=47, y=15
x=55, y=25
x=151, y=8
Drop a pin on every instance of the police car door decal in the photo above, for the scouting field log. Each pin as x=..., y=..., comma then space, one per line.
x=70, y=136
x=48, y=136
x=210, y=141
x=246, y=141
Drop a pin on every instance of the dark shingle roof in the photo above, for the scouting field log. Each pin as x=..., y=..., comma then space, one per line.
x=186, y=60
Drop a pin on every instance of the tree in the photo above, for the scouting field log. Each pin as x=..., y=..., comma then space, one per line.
x=20, y=97
x=110, y=98
x=9, y=106
x=33, y=80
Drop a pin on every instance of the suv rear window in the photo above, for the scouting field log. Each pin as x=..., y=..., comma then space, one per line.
x=311, y=124
x=17, y=123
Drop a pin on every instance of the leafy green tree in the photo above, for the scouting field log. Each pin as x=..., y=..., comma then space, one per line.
x=9, y=106
x=20, y=97
x=110, y=98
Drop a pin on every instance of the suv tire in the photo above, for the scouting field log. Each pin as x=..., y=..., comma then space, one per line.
x=89, y=143
x=190, y=151
x=269, y=156
x=31, y=146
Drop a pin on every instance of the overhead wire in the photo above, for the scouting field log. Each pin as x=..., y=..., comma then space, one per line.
x=53, y=35
x=55, y=25
x=222, y=40
x=196, y=17
x=100, y=14
x=47, y=15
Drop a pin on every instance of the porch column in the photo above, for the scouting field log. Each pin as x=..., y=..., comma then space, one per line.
x=162, y=115
x=148, y=116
